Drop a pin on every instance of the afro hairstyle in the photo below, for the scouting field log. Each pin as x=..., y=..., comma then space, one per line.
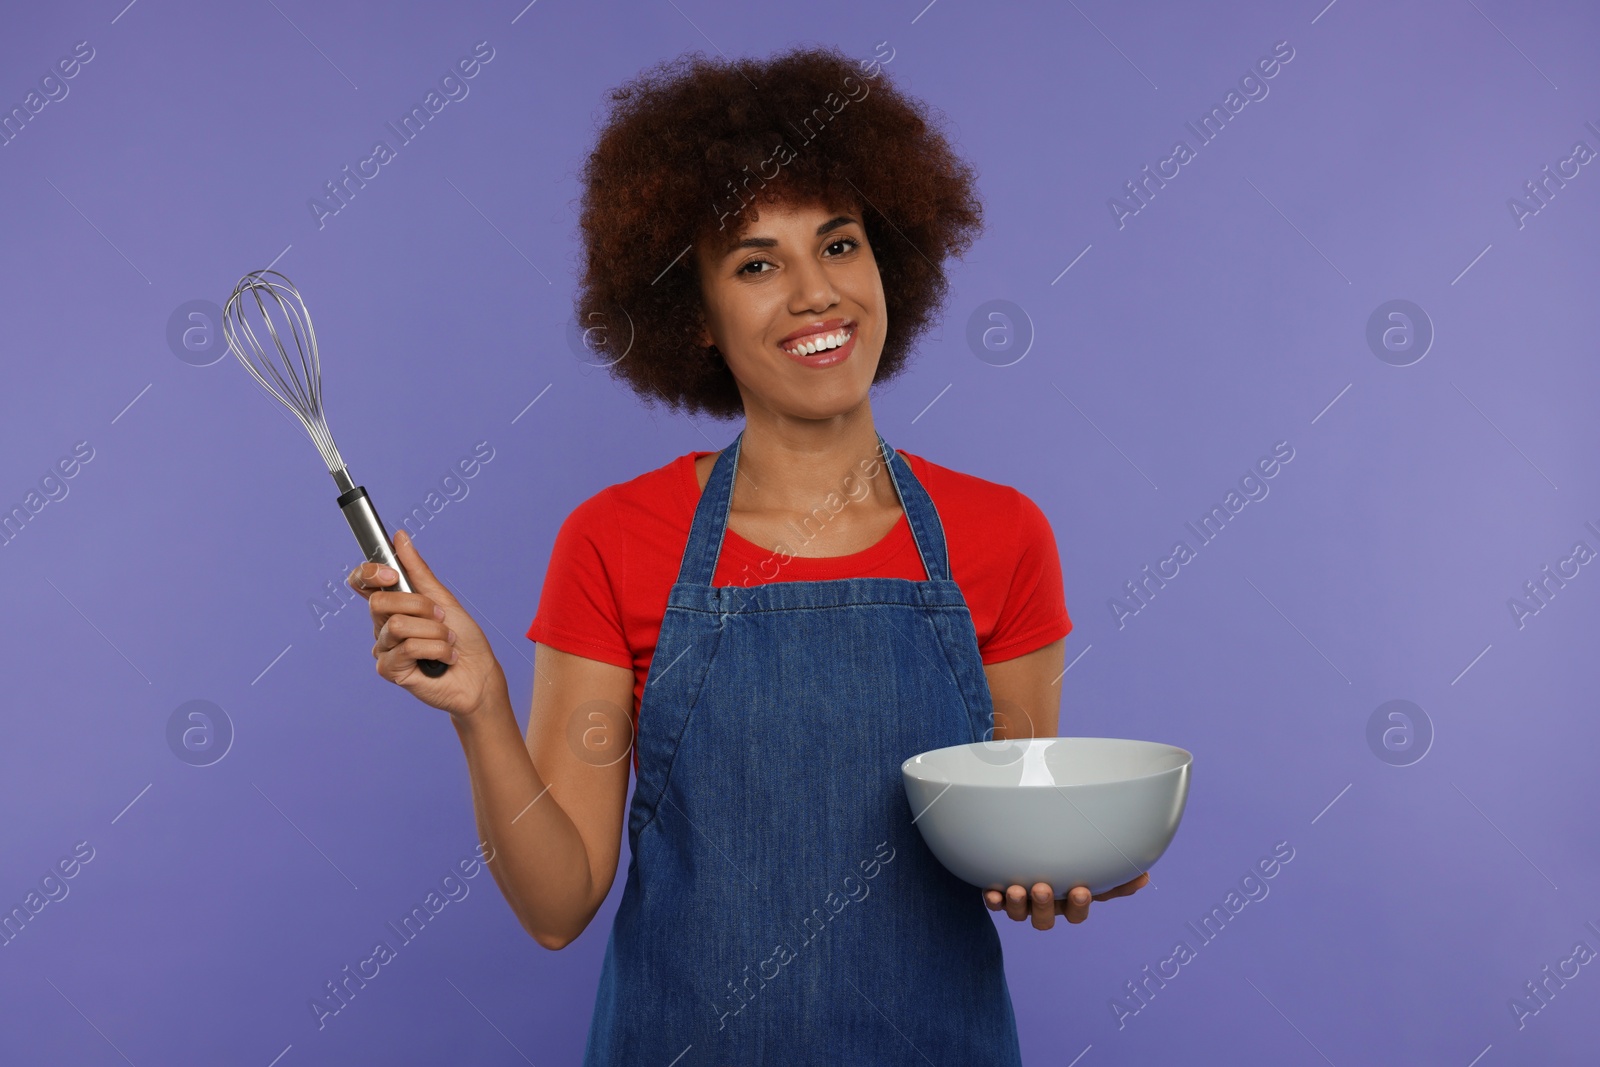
x=689, y=150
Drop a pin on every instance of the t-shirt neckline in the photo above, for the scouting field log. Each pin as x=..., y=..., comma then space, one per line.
x=865, y=561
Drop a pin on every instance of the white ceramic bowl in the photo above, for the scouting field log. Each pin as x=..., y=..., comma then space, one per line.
x=1070, y=811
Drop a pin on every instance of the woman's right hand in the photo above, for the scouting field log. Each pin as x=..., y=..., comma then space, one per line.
x=427, y=624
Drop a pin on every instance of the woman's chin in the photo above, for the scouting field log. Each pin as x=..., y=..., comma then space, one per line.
x=822, y=403
x=811, y=400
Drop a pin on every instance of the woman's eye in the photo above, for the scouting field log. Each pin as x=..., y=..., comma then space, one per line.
x=850, y=241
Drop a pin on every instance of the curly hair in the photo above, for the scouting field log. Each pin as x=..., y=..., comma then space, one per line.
x=688, y=153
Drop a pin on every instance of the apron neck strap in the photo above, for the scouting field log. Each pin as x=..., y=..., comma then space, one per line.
x=710, y=526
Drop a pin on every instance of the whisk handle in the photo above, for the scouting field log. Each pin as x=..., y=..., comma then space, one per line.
x=374, y=542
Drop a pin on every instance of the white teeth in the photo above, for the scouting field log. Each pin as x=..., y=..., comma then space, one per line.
x=827, y=341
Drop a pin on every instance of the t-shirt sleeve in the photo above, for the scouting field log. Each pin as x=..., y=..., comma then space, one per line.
x=1035, y=609
x=578, y=605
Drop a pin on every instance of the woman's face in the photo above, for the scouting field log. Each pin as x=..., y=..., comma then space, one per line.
x=793, y=269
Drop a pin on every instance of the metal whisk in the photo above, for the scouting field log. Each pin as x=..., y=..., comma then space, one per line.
x=295, y=381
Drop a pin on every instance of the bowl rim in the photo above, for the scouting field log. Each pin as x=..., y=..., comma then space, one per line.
x=907, y=771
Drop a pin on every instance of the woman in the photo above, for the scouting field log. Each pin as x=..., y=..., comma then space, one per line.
x=780, y=905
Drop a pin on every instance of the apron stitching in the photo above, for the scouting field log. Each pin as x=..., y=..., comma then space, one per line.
x=824, y=607
x=945, y=651
x=947, y=676
x=677, y=741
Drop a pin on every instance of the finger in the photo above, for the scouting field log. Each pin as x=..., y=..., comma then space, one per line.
x=1076, y=904
x=415, y=648
x=1044, y=906
x=1017, y=903
x=1126, y=888
x=993, y=899
x=386, y=605
x=400, y=627
x=400, y=660
x=368, y=578
x=422, y=578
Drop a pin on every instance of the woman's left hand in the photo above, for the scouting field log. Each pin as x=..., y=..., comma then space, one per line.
x=1042, y=906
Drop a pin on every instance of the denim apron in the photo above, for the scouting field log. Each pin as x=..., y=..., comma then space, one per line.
x=780, y=905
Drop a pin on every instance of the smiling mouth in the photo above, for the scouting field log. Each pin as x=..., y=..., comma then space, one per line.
x=825, y=342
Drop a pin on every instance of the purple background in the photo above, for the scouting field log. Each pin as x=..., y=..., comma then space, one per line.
x=1230, y=313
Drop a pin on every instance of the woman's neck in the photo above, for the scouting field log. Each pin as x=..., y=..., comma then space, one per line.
x=790, y=465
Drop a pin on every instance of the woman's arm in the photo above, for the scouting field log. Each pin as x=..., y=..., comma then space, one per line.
x=1027, y=692
x=551, y=806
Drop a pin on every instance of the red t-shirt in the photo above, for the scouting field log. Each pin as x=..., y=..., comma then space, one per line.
x=617, y=555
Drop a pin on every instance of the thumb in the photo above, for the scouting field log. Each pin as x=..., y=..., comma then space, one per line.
x=421, y=576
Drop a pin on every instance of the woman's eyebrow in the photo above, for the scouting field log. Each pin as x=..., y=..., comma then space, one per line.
x=770, y=242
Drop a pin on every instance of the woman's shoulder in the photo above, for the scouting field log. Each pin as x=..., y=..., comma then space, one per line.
x=964, y=490
x=989, y=522
x=662, y=491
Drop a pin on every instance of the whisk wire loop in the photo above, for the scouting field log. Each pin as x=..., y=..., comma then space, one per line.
x=296, y=380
